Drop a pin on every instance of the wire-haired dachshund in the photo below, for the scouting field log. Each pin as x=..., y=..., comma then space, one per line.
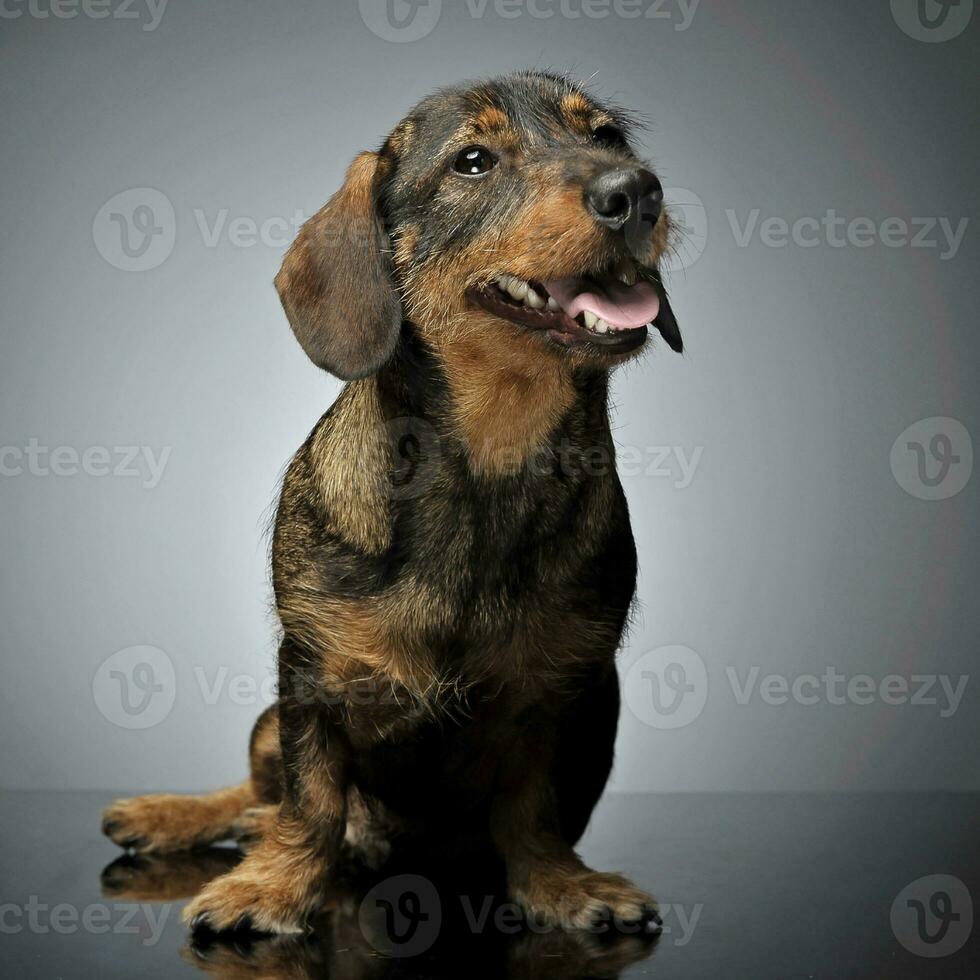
x=452, y=557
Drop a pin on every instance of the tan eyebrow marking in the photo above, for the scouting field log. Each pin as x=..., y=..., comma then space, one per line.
x=490, y=121
x=575, y=104
x=489, y=124
x=577, y=112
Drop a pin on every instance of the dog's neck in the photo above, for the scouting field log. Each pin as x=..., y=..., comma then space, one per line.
x=412, y=396
x=502, y=403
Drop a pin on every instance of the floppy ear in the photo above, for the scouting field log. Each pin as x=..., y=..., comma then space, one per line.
x=336, y=282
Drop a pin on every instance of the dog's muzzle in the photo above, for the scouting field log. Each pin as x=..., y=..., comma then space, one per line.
x=627, y=199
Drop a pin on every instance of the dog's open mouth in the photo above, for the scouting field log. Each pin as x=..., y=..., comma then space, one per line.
x=610, y=313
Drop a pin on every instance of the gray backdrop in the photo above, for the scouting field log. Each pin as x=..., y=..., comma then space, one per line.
x=808, y=601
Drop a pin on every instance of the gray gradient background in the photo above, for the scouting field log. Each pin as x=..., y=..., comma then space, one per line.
x=793, y=549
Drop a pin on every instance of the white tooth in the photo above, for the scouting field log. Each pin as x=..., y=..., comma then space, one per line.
x=534, y=300
x=553, y=303
x=504, y=282
x=517, y=289
x=601, y=326
x=590, y=319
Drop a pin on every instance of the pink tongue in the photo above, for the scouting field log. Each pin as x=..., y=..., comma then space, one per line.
x=619, y=305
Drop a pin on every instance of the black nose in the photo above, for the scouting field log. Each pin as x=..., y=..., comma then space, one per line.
x=616, y=195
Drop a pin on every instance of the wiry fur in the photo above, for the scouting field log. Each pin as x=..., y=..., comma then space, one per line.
x=447, y=661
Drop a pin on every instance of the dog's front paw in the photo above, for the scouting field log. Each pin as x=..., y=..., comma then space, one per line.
x=589, y=900
x=243, y=900
x=159, y=822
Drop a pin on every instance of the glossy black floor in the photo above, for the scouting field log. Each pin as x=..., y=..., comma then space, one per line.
x=779, y=886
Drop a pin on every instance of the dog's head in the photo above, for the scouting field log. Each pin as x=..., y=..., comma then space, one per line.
x=512, y=214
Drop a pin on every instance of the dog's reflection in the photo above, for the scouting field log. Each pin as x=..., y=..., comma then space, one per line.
x=166, y=877
x=384, y=927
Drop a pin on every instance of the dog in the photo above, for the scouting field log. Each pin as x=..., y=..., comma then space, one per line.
x=452, y=557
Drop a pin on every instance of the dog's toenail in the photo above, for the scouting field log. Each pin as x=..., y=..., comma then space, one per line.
x=201, y=923
x=243, y=924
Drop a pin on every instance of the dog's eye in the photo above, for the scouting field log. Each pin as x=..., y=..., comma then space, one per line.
x=474, y=161
x=610, y=137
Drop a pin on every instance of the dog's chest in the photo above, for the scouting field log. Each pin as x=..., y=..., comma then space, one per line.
x=502, y=562
x=518, y=589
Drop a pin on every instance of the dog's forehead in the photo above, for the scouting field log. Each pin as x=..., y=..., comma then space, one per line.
x=522, y=109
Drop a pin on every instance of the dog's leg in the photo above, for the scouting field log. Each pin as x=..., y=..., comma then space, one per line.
x=167, y=822
x=544, y=874
x=369, y=830
x=584, y=753
x=282, y=879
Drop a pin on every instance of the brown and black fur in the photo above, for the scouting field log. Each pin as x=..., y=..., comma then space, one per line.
x=447, y=659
